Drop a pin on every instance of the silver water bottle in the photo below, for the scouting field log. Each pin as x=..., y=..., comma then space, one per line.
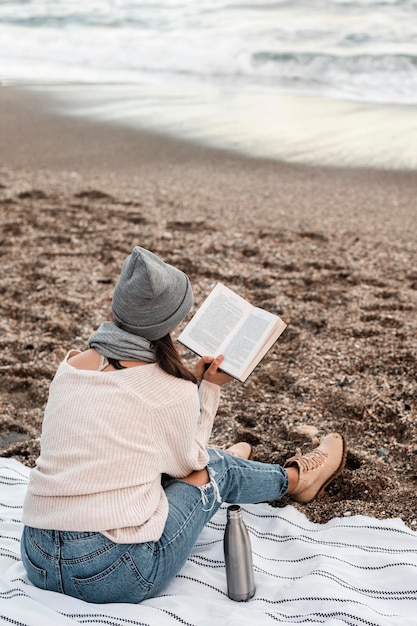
x=238, y=557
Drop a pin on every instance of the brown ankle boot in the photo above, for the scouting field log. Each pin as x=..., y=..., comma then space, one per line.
x=240, y=449
x=318, y=468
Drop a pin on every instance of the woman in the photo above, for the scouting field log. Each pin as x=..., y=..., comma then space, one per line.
x=125, y=483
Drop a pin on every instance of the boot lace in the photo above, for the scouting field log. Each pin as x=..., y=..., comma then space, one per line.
x=308, y=462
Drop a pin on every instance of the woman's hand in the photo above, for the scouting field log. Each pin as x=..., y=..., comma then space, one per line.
x=207, y=368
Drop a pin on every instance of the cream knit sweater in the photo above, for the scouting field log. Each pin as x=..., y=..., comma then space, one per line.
x=106, y=439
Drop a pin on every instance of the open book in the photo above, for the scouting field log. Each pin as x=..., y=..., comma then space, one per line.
x=228, y=324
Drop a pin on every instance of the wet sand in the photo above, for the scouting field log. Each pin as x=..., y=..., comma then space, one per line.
x=331, y=250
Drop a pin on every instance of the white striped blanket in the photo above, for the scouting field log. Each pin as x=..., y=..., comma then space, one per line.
x=357, y=571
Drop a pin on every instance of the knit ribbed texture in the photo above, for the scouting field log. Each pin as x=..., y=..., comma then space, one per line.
x=106, y=439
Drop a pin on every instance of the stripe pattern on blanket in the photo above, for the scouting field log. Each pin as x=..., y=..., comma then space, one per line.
x=357, y=571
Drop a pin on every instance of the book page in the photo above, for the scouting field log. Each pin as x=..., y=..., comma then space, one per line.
x=214, y=321
x=243, y=345
x=228, y=324
x=277, y=330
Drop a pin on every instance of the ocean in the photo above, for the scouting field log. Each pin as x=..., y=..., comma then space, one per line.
x=329, y=82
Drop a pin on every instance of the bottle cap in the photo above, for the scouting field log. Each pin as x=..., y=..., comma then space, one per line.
x=234, y=511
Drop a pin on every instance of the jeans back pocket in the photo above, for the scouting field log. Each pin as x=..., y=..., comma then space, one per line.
x=37, y=575
x=119, y=582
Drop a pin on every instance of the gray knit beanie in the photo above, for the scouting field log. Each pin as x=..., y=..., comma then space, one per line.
x=151, y=297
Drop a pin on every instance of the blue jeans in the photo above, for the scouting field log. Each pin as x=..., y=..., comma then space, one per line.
x=89, y=566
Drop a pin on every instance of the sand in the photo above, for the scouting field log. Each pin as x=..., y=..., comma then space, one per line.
x=330, y=250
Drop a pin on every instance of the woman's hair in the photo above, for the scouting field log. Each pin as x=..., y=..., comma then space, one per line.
x=169, y=360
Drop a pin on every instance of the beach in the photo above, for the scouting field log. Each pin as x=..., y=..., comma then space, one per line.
x=331, y=250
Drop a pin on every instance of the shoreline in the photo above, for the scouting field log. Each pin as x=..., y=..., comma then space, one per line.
x=363, y=201
x=293, y=128
x=331, y=250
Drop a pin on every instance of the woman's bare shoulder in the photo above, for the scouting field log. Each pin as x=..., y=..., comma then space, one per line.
x=87, y=360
